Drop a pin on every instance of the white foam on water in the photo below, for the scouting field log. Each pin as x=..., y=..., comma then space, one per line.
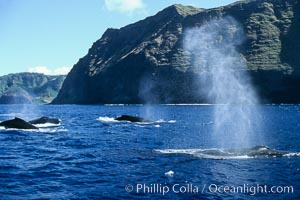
x=47, y=125
x=160, y=121
x=40, y=130
x=169, y=173
x=107, y=119
x=142, y=123
x=16, y=129
x=52, y=130
x=114, y=104
x=164, y=121
x=295, y=154
x=172, y=121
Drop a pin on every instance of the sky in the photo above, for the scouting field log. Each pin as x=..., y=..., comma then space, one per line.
x=50, y=36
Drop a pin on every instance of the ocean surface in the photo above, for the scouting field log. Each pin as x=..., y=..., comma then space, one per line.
x=92, y=156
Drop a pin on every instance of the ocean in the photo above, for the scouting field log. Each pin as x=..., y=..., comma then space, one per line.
x=92, y=156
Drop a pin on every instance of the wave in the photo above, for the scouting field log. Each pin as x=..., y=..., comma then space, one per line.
x=243, y=153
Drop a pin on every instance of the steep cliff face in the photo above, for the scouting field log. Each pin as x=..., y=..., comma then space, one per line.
x=29, y=88
x=145, y=62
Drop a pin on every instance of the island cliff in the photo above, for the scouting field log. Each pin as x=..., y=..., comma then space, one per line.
x=145, y=62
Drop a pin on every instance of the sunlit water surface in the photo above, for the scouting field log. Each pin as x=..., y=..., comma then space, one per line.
x=91, y=156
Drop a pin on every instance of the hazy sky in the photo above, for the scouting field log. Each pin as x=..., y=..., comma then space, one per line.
x=51, y=35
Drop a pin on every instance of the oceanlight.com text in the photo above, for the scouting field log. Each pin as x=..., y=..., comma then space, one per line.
x=190, y=188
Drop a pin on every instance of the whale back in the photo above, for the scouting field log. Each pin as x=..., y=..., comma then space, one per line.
x=131, y=119
x=44, y=120
x=17, y=123
x=240, y=153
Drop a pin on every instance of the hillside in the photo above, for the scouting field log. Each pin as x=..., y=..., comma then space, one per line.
x=145, y=62
x=26, y=88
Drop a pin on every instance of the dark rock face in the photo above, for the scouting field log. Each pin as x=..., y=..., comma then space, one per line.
x=145, y=62
x=26, y=88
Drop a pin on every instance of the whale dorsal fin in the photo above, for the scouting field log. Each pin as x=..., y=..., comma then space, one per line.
x=17, y=118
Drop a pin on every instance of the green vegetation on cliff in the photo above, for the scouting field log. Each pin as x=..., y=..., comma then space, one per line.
x=29, y=88
x=145, y=62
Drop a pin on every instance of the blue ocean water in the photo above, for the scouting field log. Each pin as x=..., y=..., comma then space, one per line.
x=90, y=156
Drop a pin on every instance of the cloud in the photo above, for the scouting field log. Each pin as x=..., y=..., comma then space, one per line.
x=62, y=70
x=124, y=6
x=45, y=70
x=40, y=69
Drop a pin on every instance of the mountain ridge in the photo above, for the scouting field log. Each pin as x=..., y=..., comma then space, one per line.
x=27, y=88
x=145, y=62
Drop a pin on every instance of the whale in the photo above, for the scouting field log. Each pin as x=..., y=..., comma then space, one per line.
x=44, y=120
x=17, y=123
x=259, y=151
x=129, y=118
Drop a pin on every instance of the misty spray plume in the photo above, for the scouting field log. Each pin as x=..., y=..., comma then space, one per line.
x=148, y=96
x=223, y=80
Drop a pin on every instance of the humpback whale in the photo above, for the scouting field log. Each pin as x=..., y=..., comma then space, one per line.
x=131, y=119
x=18, y=124
x=44, y=120
x=258, y=151
x=255, y=152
